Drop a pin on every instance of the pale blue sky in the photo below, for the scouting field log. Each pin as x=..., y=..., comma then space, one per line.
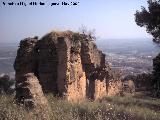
x=110, y=18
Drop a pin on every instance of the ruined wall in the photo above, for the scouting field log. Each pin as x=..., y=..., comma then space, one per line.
x=76, y=79
x=46, y=65
x=66, y=64
x=28, y=89
x=95, y=68
x=114, y=83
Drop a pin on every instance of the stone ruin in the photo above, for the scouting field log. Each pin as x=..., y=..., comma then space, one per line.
x=66, y=64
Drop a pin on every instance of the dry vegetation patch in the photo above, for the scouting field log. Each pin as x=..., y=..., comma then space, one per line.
x=110, y=108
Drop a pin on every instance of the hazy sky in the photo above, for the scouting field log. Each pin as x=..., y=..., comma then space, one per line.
x=110, y=18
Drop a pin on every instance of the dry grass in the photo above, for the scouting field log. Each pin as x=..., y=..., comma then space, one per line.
x=111, y=108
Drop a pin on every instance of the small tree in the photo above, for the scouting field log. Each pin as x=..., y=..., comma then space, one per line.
x=156, y=75
x=90, y=33
x=6, y=84
x=150, y=19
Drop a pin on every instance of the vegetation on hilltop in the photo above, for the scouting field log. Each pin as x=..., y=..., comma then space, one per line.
x=6, y=85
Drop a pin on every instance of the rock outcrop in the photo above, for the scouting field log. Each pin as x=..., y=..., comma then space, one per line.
x=66, y=64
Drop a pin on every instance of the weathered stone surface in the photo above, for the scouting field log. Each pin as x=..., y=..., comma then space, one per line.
x=28, y=89
x=66, y=64
x=46, y=64
x=128, y=86
x=25, y=62
x=96, y=70
x=114, y=83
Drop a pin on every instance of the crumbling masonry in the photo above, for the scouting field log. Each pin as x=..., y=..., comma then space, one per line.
x=66, y=64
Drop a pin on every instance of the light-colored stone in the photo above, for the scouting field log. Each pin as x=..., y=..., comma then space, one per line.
x=29, y=91
x=66, y=64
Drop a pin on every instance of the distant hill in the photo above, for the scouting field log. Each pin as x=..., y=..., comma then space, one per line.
x=132, y=56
